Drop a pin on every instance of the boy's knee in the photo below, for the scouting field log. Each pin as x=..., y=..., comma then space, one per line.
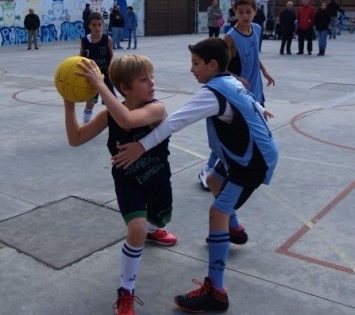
x=137, y=231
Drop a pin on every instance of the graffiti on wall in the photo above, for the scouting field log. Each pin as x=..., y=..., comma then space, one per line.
x=60, y=19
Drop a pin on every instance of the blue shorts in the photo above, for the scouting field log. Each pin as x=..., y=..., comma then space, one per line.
x=231, y=196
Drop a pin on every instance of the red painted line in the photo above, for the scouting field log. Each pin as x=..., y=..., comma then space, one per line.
x=300, y=116
x=318, y=262
x=15, y=97
x=284, y=249
x=333, y=203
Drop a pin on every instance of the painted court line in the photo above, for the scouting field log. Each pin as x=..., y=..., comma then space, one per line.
x=285, y=248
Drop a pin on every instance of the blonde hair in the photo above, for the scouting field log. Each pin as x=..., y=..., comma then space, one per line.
x=124, y=69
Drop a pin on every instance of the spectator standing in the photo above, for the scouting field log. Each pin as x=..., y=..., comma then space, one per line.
x=305, y=17
x=270, y=26
x=232, y=15
x=322, y=21
x=214, y=14
x=287, y=23
x=117, y=25
x=132, y=24
x=32, y=24
x=260, y=18
x=333, y=9
x=86, y=14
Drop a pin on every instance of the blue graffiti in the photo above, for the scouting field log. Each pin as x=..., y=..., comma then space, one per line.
x=13, y=35
x=72, y=30
x=48, y=33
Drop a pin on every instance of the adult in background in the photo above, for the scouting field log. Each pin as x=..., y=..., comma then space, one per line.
x=333, y=9
x=132, y=24
x=287, y=23
x=86, y=14
x=32, y=24
x=117, y=25
x=260, y=18
x=305, y=17
x=322, y=21
x=232, y=15
x=214, y=14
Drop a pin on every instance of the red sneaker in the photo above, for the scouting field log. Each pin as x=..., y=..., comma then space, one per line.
x=162, y=237
x=238, y=235
x=125, y=302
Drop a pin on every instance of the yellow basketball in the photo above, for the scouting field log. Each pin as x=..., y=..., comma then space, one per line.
x=69, y=85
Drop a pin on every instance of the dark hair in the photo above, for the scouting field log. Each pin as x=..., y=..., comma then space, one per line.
x=212, y=48
x=95, y=16
x=129, y=7
x=250, y=2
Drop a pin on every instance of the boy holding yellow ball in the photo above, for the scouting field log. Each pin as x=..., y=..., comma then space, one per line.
x=143, y=190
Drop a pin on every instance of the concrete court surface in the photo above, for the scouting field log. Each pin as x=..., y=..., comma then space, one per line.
x=61, y=232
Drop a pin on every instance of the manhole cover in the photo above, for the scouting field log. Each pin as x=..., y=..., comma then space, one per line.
x=336, y=87
x=63, y=232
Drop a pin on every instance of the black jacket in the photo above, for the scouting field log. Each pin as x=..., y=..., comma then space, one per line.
x=333, y=9
x=322, y=20
x=287, y=21
x=32, y=22
x=116, y=19
x=259, y=17
x=86, y=14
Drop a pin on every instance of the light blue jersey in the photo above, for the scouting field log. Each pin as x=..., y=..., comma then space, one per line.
x=245, y=144
x=248, y=50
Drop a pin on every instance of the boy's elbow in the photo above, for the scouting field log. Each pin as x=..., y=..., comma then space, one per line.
x=73, y=143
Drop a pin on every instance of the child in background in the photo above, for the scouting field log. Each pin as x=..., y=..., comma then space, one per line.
x=240, y=137
x=98, y=47
x=144, y=189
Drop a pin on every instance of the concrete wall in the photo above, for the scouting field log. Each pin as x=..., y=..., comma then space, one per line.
x=60, y=19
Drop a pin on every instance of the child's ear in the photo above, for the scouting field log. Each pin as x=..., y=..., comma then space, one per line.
x=214, y=64
x=123, y=88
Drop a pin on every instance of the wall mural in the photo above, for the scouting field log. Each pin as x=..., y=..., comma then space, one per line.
x=60, y=19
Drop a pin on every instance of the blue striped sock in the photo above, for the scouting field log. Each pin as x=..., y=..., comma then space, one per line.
x=218, y=246
x=233, y=221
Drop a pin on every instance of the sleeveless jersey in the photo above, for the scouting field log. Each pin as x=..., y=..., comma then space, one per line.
x=248, y=50
x=245, y=145
x=152, y=163
x=97, y=52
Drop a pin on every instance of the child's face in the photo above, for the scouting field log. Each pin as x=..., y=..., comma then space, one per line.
x=202, y=71
x=245, y=14
x=142, y=88
x=96, y=27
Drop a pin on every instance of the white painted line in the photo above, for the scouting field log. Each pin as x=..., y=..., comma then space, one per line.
x=189, y=152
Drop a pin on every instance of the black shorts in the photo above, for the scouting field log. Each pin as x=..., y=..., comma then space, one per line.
x=151, y=200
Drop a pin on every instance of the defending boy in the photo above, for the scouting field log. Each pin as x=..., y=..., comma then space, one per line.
x=239, y=135
x=143, y=190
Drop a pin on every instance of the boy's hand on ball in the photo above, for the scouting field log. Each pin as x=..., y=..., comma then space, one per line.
x=128, y=154
x=91, y=71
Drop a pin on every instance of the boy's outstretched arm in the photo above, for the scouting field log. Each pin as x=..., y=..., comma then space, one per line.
x=128, y=154
x=204, y=104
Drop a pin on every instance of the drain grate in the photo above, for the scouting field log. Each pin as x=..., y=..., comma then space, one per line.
x=336, y=87
x=63, y=232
